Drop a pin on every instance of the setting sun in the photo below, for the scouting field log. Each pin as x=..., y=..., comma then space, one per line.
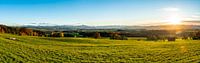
x=173, y=15
x=174, y=20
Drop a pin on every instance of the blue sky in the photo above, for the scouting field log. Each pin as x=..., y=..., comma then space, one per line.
x=95, y=12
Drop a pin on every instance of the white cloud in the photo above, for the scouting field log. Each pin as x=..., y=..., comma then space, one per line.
x=195, y=16
x=170, y=9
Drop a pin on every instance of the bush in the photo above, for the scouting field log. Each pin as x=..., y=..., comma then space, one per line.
x=97, y=35
x=61, y=34
x=124, y=38
x=152, y=37
x=115, y=36
x=196, y=38
x=171, y=38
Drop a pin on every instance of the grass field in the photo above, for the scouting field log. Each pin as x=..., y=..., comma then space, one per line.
x=43, y=49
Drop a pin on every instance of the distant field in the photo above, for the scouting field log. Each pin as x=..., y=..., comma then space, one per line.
x=42, y=49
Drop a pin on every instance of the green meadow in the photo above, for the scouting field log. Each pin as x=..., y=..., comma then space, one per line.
x=45, y=49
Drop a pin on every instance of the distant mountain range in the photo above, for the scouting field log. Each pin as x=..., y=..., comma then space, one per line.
x=150, y=26
x=79, y=27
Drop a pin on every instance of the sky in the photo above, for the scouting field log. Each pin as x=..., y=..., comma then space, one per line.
x=97, y=12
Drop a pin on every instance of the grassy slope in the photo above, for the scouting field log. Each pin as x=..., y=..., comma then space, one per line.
x=41, y=49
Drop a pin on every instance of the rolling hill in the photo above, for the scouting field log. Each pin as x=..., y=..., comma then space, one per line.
x=45, y=49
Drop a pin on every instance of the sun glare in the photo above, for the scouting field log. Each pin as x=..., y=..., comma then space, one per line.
x=174, y=20
x=173, y=15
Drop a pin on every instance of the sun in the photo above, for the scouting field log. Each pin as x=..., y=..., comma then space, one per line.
x=174, y=20
x=173, y=15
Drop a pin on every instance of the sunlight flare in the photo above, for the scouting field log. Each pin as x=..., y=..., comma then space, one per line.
x=174, y=20
x=173, y=15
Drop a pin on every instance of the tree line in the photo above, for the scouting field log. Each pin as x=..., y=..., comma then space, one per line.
x=154, y=35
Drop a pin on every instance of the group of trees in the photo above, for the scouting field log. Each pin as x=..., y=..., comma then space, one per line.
x=62, y=34
x=172, y=35
x=117, y=36
x=57, y=34
x=20, y=31
x=196, y=36
x=113, y=36
x=97, y=35
x=187, y=35
x=161, y=35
